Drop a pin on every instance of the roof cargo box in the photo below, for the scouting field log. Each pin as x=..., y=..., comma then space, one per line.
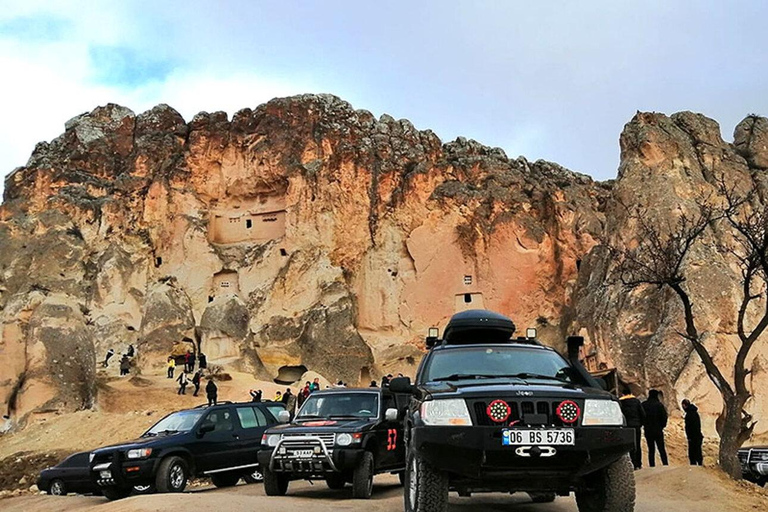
x=478, y=326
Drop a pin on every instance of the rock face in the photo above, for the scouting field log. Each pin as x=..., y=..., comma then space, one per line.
x=306, y=235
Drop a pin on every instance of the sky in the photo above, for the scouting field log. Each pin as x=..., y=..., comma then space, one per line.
x=555, y=80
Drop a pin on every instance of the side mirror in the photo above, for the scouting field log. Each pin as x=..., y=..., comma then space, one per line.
x=401, y=385
x=206, y=427
x=284, y=417
x=391, y=415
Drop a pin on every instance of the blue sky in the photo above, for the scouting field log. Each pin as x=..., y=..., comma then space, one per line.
x=554, y=80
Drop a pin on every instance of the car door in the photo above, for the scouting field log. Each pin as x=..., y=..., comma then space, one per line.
x=215, y=450
x=253, y=421
x=390, y=436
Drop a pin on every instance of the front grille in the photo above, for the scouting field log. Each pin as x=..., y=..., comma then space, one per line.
x=541, y=410
x=743, y=456
x=299, y=440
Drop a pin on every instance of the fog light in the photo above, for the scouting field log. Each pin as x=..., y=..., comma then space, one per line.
x=283, y=450
x=317, y=449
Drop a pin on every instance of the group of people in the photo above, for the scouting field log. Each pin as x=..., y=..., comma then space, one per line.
x=385, y=380
x=125, y=361
x=651, y=417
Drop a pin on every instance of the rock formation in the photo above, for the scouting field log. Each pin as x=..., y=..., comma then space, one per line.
x=306, y=235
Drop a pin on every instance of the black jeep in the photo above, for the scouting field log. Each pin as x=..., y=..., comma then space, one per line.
x=340, y=436
x=221, y=441
x=490, y=413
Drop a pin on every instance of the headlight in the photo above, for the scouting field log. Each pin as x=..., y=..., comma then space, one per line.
x=272, y=440
x=602, y=412
x=445, y=412
x=139, y=453
x=343, y=439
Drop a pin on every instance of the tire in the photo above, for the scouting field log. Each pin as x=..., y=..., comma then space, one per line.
x=542, y=497
x=172, y=475
x=225, y=479
x=57, y=488
x=335, y=481
x=614, y=489
x=362, y=478
x=426, y=488
x=275, y=484
x=116, y=493
x=255, y=477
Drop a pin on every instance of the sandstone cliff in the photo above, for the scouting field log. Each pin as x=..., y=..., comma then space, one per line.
x=305, y=234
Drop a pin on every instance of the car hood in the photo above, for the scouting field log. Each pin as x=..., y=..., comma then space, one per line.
x=136, y=443
x=515, y=388
x=323, y=426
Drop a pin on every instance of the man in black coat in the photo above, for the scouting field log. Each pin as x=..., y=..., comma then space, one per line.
x=655, y=423
x=693, y=433
x=635, y=416
x=212, y=392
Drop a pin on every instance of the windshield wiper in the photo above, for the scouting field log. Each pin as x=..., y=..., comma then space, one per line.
x=167, y=432
x=465, y=376
x=526, y=375
x=308, y=417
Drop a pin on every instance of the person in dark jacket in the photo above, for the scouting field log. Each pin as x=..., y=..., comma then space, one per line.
x=196, y=381
x=110, y=353
x=256, y=395
x=131, y=351
x=203, y=361
x=693, y=433
x=212, y=392
x=655, y=423
x=182, y=380
x=635, y=416
x=125, y=365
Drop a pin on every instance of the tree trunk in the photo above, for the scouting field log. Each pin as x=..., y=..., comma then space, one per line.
x=730, y=428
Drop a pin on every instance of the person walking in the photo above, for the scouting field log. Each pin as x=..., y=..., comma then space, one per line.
x=109, y=355
x=635, y=416
x=655, y=423
x=693, y=433
x=125, y=365
x=171, y=367
x=196, y=381
x=256, y=395
x=212, y=392
x=182, y=380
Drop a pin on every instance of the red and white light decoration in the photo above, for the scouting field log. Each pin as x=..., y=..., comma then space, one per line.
x=498, y=411
x=568, y=412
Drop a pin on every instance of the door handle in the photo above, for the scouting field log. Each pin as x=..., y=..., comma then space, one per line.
x=236, y=436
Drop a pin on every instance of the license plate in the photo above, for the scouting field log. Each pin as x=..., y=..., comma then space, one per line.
x=105, y=474
x=553, y=437
x=302, y=454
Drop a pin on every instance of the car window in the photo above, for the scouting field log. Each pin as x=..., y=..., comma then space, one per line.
x=221, y=419
x=338, y=405
x=78, y=460
x=181, y=421
x=274, y=410
x=251, y=417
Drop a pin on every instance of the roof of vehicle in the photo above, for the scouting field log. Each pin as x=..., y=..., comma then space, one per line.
x=333, y=391
x=228, y=403
x=510, y=344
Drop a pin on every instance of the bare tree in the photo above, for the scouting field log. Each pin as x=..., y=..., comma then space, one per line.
x=658, y=258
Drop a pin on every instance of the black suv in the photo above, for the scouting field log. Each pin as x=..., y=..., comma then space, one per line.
x=754, y=464
x=221, y=441
x=340, y=436
x=490, y=413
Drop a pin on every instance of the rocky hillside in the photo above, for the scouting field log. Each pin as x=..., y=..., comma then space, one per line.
x=306, y=235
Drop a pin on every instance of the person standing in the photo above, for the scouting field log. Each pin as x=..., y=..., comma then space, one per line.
x=196, y=381
x=693, y=433
x=655, y=423
x=203, y=361
x=289, y=399
x=109, y=355
x=256, y=395
x=278, y=397
x=171, y=367
x=131, y=351
x=304, y=393
x=315, y=386
x=212, y=392
x=182, y=380
x=635, y=416
x=187, y=359
x=125, y=365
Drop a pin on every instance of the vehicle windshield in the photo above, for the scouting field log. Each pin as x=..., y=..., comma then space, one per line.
x=496, y=362
x=340, y=405
x=181, y=421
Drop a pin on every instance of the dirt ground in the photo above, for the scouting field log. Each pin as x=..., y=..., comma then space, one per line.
x=678, y=489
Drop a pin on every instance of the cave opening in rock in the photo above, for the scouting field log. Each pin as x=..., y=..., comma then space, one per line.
x=288, y=375
x=158, y=261
x=467, y=298
x=283, y=252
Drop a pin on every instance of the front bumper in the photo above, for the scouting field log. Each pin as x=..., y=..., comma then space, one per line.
x=324, y=460
x=475, y=458
x=123, y=473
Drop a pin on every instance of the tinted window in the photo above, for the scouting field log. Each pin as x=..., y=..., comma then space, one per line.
x=251, y=417
x=222, y=420
x=490, y=362
x=78, y=460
